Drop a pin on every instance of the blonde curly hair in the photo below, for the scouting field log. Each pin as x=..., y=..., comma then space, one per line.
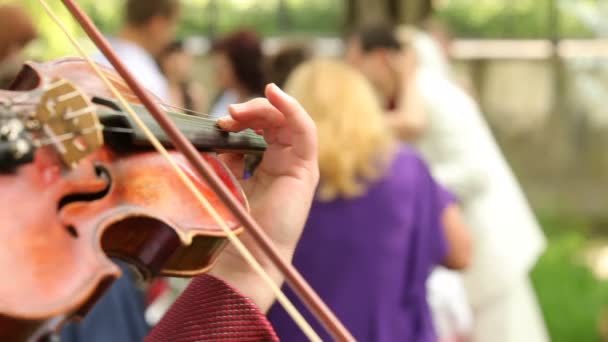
x=354, y=143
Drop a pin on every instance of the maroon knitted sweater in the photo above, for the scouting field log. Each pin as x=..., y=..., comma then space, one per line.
x=211, y=310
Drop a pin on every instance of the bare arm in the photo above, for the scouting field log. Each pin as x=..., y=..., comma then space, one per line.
x=458, y=238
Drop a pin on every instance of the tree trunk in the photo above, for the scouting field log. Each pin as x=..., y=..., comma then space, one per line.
x=390, y=12
x=414, y=12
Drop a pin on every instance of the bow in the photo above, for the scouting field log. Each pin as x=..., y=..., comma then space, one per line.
x=202, y=169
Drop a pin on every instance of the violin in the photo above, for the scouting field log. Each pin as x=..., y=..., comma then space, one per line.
x=74, y=193
x=89, y=189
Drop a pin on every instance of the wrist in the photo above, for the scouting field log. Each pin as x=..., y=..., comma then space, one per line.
x=234, y=270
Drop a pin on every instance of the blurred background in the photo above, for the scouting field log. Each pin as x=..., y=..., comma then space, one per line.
x=539, y=69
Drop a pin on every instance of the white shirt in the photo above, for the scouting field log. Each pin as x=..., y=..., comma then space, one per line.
x=142, y=65
x=220, y=108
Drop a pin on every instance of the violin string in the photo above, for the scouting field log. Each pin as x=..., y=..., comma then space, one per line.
x=66, y=136
x=118, y=129
x=17, y=100
x=194, y=115
x=245, y=253
x=192, y=112
x=197, y=120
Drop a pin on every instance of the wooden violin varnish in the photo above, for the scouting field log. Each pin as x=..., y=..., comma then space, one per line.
x=78, y=202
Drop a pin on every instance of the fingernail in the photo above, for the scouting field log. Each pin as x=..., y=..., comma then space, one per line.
x=221, y=122
x=274, y=86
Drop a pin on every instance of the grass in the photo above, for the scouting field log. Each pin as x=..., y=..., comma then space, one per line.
x=571, y=297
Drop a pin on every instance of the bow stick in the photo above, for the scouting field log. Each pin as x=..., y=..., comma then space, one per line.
x=292, y=276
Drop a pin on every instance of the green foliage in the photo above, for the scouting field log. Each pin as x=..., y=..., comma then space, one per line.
x=512, y=19
x=205, y=17
x=468, y=18
x=199, y=18
x=570, y=296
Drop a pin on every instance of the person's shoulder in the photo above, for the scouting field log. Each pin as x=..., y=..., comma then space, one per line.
x=408, y=157
x=128, y=52
x=408, y=166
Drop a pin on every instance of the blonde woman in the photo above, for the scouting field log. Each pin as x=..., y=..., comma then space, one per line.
x=379, y=223
x=451, y=133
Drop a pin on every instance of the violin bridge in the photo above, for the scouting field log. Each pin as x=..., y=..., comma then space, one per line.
x=69, y=121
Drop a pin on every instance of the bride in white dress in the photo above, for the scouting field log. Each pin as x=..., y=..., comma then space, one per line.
x=464, y=157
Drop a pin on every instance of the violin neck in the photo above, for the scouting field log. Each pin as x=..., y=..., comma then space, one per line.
x=122, y=132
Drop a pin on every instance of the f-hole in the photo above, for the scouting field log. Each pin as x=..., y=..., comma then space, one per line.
x=73, y=232
x=100, y=172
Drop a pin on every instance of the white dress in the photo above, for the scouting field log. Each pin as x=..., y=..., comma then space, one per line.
x=465, y=158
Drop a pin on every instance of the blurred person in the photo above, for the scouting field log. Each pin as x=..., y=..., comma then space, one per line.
x=391, y=71
x=285, y=61
x=440, y=32
x=456, y=141
x=17, y=31
x=379, y=222
x=176, y=64
x=449, y=302
x=148, y=28
x=432, y=46
x=239, y=70
x=424, y=47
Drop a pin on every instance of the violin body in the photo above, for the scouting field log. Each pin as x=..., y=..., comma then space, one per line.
x=61, y=224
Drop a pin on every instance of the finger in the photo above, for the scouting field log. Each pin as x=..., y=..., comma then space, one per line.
x=256, y=114
x=296, y=116
x=303, y=129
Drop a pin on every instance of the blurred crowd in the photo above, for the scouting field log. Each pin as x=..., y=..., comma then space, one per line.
x=419, y=231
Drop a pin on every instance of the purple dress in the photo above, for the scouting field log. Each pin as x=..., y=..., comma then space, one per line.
x=369, y=257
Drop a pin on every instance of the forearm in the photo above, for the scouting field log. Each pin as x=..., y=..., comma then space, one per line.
x=458, y=238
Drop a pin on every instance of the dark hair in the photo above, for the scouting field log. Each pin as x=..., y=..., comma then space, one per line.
x=244, y=50
x=377, y=37
x=173, y=47
x=139, y=12
x=285, y=61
